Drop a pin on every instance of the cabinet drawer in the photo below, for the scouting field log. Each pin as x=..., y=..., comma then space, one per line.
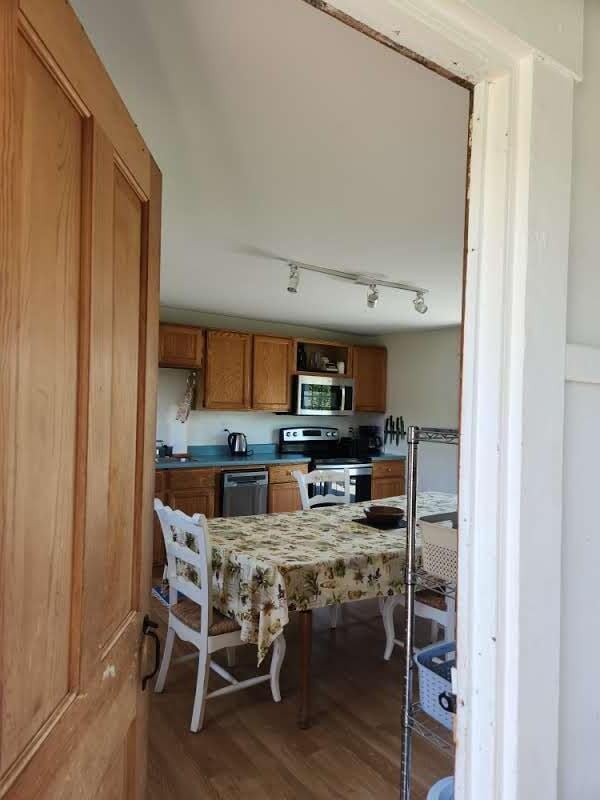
x=160, y=481
x=388, y=469
x=191, y=478
x=282, y=473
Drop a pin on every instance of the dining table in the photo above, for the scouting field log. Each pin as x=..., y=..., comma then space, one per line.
x=267, y=567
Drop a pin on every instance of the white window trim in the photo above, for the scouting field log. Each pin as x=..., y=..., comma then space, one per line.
x=512, y=391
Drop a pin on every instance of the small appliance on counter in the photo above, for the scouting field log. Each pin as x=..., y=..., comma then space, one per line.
x=238, y=443
x=370, y=441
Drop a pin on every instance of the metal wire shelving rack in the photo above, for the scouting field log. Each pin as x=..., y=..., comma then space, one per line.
x=413, y=720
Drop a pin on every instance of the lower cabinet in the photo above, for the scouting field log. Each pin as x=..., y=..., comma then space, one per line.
x=284, y=494
x=388, y=479
x=193, y=501
x=189, y=490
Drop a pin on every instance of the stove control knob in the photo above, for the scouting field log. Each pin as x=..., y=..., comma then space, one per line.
x=295, y=433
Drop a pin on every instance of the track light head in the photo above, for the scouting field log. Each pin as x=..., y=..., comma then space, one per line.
x=419, y=303
x=372, y=295
x=294, y=279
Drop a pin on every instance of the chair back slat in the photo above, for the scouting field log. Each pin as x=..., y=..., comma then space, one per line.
x=322, y=476
x=189, y=558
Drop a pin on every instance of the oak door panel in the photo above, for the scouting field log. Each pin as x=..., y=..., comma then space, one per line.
x=271, y=380
x=180, y=346
x=227, y=371
x=284, y=497
x=387, y=487
x=370, y=376
x=39, y=585
x=193, y=501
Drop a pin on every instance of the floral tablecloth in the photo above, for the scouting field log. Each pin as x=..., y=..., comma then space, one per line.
x=267, y=565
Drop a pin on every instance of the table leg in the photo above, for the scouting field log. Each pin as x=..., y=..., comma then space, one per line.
x=305, y=620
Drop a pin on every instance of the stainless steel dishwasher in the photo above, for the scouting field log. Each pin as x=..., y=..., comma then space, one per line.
x=245, y=493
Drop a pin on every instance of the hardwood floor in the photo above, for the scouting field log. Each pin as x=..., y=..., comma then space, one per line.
x=251, y=747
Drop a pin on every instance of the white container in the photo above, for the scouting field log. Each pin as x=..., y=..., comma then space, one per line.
x=442, y=790
x=341, y=367
x=439, y=550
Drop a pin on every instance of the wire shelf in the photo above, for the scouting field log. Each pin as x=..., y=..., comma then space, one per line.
x=424, y=580
x=441, y=741
x=443, y=435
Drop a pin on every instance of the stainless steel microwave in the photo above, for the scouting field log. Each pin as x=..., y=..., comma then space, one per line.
x=325, y=395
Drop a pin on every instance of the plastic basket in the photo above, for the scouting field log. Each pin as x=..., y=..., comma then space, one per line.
x=439, y=549
x=442, y=790
x=434, y=664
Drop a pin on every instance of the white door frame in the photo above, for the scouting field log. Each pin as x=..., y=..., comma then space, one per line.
x=512, y=391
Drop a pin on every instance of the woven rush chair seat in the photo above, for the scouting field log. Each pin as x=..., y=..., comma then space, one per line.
x=189, y=613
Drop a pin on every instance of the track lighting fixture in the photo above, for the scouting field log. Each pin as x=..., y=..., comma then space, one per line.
x=294, y=279
x=359, y=278
x=419, y=303
x=372, y=296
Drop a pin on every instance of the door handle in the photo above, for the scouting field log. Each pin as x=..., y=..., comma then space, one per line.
x=148, y=629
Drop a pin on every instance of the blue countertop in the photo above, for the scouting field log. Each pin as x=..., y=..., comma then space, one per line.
x=219, y=456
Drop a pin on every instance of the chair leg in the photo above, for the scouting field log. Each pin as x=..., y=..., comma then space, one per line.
x=381, y=603
x=166, y=660
x=201, y=687
x=276, y=662
x=333, y=615
x=231, y=656
x=388, y=624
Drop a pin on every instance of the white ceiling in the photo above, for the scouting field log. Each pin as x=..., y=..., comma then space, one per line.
x=280, y=130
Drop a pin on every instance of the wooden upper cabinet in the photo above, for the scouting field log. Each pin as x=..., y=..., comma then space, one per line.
x=271, y=389
x=180, y=346
x=370, y=375
x=227, y=370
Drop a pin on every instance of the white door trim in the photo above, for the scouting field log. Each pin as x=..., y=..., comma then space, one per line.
x=513, y=390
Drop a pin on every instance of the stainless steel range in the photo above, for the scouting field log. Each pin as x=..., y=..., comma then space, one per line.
x=328, y=451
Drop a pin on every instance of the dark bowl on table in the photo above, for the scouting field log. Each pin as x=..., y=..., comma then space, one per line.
x=384, y=515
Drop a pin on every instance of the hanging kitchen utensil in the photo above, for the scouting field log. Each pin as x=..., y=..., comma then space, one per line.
x=402, y=428
x=185, y=406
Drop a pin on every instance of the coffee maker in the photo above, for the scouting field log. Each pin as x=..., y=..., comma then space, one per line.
x=370, y=441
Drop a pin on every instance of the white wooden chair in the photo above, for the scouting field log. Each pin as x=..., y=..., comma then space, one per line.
x=323, y=476
x=440, y=559
x=193, y=618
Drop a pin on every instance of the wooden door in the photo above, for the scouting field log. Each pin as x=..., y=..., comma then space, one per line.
x=193, y=501
x=284, y=497
x=227, y=372
x=387, y=487
x=79, y=253
x=370, y=375
x=271, y=373
x=180, y=346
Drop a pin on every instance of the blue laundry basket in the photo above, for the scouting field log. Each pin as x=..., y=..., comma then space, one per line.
x=443, y=790
x=435, y=663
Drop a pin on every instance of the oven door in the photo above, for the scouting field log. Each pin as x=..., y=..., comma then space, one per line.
x=360, y=485
x=315, y=395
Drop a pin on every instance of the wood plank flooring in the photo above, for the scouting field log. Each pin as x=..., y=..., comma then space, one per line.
x=251, y=747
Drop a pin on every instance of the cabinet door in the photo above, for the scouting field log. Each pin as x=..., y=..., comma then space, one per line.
x=180, y=346
x=387, y=487
x=227, y=372
x=193, y=501
x=370, y=375
x=284, y=497
x=271, y=373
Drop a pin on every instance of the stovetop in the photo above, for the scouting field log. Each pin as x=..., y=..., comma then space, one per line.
x=341, y=462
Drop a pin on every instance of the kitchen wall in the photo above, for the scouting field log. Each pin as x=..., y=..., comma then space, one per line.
x=423, y=387
x=206, y=427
